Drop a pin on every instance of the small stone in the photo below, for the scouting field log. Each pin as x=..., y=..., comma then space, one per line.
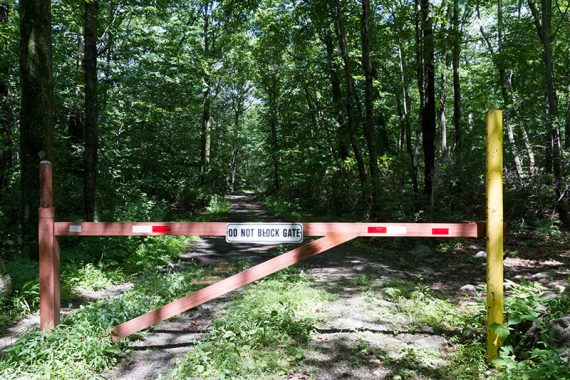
x=480, y=255
x=540, y=276
x=433, y=342
x=5, y=285
x=427, y=330
x=469, y=288
x=421, y=251
x=560, y=331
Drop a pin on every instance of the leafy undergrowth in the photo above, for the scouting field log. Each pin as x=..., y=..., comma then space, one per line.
x=81, y=347
x=262, y=334
x=529, y=349
x=91, y=264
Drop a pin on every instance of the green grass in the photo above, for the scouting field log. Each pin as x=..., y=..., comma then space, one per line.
x=262, y=334
x=81, y=278
x=218, y=205
x=25, y=295
x=81, y=346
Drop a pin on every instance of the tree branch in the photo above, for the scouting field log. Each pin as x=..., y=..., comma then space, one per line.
x=562, y=18
x=483, y=34
x=536, y=18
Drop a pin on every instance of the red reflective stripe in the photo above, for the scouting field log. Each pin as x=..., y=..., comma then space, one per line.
x=377, y=230
x=160, y=228
x=440, y=231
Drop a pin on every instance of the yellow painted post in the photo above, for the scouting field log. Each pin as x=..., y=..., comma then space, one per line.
x=494, y=121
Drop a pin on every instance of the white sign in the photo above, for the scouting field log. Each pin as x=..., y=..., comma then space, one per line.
x=264, y=233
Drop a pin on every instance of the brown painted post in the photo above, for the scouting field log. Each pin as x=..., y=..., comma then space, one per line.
x=49, y=252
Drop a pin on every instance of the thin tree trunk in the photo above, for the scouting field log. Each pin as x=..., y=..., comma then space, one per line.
x=273, y=121
x=91, y=111
x=428, y=110
x=567, y=125
x=420, y=82
x=342, y=132
x=514, y=149
x=406, y=113
x=206, y=116
x=351, y=96
x=456, y=51
x=75, y=121
x=5, y=117
x=543, y=22
x=505, y=89
x=442, y=116
x=522, y=127
x=36, y=111
x=369, y=104
x=235, y=149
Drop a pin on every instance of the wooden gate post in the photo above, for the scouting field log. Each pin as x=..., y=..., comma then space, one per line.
x=48, y=252
x=494, y=121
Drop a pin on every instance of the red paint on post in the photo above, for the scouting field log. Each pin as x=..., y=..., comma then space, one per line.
x=377, y=230
x=161, y=229
x=440, y=231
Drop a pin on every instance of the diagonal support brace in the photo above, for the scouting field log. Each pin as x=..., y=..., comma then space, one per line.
x=229, y=284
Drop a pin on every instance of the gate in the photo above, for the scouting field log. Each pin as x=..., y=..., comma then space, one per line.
x=330, y=235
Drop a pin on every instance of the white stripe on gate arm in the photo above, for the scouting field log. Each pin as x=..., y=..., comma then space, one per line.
x=142, y=229
x=397, y=230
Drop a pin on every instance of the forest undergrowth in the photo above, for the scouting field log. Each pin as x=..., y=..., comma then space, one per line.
x=81, y=347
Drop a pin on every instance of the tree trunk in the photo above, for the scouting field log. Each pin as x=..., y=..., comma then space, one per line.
x=428, y=110
x=456, y=51
x=76, y=122
x=420, y=83
x=91, y=111
x=351, y=96
x=206, y=116
x=567, y=125
x=442, y=116
x=6, y=147
x=36, y=111
x=342, y=132
x=406, y=114
x=235, y=150
x=205, y=133
x=543, y=22
x=273, y=121
x=526, y=140
x=505, y=89
x=507, y=92
x=369, y=104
